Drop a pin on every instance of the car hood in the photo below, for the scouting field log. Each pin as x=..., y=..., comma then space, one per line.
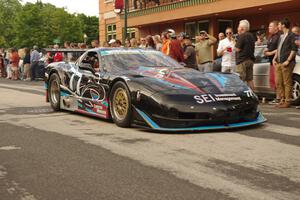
x=185, y=81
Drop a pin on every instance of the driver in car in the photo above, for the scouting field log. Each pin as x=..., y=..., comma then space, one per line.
x=96, y=65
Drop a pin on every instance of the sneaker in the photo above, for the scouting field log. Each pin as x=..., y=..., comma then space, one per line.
x=297, y=107
x=274, y=102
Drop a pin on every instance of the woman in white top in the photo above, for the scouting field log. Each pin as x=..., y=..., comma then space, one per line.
x=226, y=49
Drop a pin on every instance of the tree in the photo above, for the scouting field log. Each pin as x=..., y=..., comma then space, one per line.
x=8, y=12
x=40, y=24
x=90, y=27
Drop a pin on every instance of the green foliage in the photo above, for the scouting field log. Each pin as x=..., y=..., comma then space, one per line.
x=90, y=26
x=40, y=24
x=8, y=11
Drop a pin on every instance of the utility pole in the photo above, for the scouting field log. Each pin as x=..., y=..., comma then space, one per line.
x=121, y=5
x=125, y=20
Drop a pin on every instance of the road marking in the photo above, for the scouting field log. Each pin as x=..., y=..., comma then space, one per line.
x=9, y=148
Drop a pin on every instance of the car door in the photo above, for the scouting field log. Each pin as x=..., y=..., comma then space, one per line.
x=88, y=86
x=261, y=72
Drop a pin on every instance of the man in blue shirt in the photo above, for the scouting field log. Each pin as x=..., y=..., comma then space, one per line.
x=34, y=60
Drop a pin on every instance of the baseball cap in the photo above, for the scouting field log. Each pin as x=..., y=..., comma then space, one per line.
x=171, y=31
x=111, y=41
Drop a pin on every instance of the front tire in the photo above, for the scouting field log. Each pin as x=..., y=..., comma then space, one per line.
x=120, y=104
x=296, y=89
x=54, y=92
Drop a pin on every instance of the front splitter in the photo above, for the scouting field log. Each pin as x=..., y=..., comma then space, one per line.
x=260, y=119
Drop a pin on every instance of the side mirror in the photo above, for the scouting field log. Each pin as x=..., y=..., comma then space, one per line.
x=86, y=66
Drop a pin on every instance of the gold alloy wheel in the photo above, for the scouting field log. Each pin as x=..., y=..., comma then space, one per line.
x=120, y=103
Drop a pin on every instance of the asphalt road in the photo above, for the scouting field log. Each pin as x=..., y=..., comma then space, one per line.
x=54, y=156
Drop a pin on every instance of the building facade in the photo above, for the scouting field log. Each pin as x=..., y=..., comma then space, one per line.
x=150, y=17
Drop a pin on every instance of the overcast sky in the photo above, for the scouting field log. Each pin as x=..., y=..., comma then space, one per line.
x=88, y=7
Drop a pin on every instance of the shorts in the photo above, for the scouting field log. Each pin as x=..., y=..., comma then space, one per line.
x=26, y=68
x=245, y=70
x=14, y=68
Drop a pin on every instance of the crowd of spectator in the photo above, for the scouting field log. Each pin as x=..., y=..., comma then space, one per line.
x=235, y=52
x=28, y=64
x=24, y=64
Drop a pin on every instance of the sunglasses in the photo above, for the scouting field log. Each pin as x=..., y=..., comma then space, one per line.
x=229, y=33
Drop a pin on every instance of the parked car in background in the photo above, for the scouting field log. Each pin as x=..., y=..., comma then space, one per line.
x=263, y=77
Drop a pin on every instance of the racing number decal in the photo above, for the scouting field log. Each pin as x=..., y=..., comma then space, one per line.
x=249, y=93
x=75, y=82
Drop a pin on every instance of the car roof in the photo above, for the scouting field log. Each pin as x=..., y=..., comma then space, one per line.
x=63, y=50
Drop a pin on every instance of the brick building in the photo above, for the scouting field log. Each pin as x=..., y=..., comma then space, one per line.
x=153, y=16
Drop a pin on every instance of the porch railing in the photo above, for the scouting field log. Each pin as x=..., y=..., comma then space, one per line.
x=144, y=7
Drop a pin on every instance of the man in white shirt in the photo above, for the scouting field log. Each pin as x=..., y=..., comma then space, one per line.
x=226, y=49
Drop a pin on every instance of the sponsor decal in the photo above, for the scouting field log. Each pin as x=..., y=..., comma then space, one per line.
x=249, y=93
x=210, y=98
x=99, y=109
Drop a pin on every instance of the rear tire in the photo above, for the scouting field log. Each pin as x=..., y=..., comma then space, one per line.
x=54, y=92
x=120, y=104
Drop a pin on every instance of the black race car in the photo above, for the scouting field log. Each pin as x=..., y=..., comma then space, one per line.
x=146, y=88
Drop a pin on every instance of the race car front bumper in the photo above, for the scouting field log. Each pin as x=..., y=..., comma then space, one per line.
x=154, y=126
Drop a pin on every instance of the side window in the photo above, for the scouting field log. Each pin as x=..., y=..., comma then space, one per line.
x=92, y=59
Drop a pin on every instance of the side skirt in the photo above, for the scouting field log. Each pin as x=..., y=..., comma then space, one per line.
x=83, y=105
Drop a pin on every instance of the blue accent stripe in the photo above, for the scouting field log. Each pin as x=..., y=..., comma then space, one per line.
x=149, y=121
x=220, y=78
x=260, y=119
x=105, y=103
x=46, y=85
x=64, y=94
x=90, y=111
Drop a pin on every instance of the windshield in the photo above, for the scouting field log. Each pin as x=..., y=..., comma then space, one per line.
x=130, y=59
